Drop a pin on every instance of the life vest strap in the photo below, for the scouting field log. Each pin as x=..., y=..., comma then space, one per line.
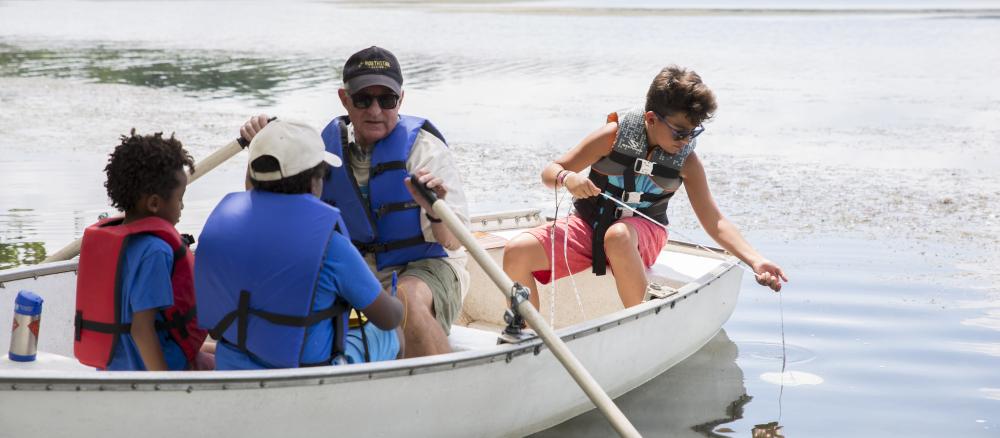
x=386, y=166
x=642, y=166
x=243, y=312
x=178, y=322
x=395, y=206
x=80, y=324
x=375, y=247
x=636, y=197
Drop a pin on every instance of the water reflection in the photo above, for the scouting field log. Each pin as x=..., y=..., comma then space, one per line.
x=692, y=399
x=768, y=430
x=13, y=250
x=204, y=73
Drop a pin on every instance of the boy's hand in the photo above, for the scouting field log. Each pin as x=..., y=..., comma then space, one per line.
x=253, y=126
x=580, y=186
x=769, y=274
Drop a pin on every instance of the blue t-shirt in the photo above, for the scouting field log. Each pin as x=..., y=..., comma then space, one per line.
x=145, y=277
x=344, y=274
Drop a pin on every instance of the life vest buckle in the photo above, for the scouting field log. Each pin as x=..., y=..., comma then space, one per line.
x=621, y=212
x=632, y=197
x=643, y=167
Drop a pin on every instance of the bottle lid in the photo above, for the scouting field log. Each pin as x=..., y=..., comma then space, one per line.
x=28, y=303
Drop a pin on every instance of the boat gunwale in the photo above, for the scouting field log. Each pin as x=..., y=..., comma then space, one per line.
x=52, y=380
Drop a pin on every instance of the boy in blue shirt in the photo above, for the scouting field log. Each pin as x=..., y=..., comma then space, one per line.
x=276, y=272
x=146, y=179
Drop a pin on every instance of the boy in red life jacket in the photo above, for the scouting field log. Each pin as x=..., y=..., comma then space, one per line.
x=127, y=319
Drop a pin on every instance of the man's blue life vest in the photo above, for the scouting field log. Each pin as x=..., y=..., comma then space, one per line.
x=388, y=225
x=258, y=264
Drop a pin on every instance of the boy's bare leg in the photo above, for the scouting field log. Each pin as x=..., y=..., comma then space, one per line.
x=522, y=256
x=621, y=244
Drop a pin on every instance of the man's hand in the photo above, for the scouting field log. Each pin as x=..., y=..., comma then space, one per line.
x=253, y=126
x=432, y=182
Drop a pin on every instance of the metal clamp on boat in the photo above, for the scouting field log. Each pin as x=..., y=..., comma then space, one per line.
x=656, y=291
x=516, y=330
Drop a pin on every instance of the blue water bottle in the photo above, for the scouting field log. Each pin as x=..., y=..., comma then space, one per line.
x=27, y=318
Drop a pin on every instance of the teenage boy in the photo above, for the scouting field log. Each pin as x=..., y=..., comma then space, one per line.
x=277, y=275
x=135, y=298
x=641, y=157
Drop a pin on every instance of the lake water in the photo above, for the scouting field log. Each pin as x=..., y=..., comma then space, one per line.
x=856, y=144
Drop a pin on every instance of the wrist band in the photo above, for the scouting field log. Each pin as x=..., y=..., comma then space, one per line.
x=432, y=218
x=561, y=177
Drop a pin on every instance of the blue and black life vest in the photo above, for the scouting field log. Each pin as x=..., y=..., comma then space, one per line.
x=257, y=271
x=640, y=175
x=388, y=224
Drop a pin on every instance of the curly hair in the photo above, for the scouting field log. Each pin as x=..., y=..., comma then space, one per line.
x=676, y=89
x=144, y=165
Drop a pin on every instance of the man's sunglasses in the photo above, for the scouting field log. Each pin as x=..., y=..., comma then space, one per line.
x=681, y=135
x=385, y=101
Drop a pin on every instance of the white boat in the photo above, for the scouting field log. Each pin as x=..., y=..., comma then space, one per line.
x=481, y=389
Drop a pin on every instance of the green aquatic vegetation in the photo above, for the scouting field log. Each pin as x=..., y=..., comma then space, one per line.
x=203, y=74
x=21, y=253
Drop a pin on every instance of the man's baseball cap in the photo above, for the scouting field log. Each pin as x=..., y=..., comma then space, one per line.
x=372, y=66
x=295, y=145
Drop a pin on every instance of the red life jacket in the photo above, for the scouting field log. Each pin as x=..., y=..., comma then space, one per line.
x=98, y=290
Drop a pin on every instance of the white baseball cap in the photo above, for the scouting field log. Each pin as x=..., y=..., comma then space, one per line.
x=296, y=145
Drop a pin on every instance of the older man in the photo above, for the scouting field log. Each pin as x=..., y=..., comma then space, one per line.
x=389, y=223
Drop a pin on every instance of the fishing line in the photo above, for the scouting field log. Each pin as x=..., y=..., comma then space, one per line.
x=784, y=355
x=639, y=213
x=781, y=307
x=552, y=251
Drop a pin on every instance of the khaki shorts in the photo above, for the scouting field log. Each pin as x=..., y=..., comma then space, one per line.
x=438, y=274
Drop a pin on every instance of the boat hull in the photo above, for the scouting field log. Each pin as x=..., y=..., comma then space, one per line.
x=501, y=390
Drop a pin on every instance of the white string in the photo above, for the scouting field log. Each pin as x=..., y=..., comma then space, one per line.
x=552, y=264
x=569, y=271
x=637, y=212
x=784, y=356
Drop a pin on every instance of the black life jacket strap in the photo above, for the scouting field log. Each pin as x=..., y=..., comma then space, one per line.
x=391, y=207
x=242, y=314
x=642, y=166
x=386, y=166
x=632, y=197
x=178, y=322
x=375, y=248
x=80, y=324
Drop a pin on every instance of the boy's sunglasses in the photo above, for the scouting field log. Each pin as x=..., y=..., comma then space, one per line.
x=385, y=101
x=681, y=135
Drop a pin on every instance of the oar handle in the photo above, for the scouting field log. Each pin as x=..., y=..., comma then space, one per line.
x=558, y=348
x=424, y=191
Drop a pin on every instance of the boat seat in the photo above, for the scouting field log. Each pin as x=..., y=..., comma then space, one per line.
x=467, y=338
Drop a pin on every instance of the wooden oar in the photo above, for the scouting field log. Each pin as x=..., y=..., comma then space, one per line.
x=200, y=168
x=530, y=314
